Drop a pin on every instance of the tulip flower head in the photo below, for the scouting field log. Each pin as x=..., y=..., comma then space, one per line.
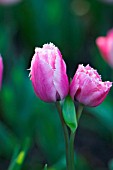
x=1, y=71
x=48, y=74
x=87, y=87
x=105, y=45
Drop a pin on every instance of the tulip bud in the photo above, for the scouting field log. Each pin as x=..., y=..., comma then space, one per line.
x=87, y=87
x=48, y=74
x=105, y=45
x=1, y=71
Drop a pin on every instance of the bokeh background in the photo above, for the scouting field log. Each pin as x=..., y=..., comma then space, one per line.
x=30, y=130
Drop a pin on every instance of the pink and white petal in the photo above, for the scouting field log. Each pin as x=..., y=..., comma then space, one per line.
x=42, y=54
x=97, y=98
x=94, y=95
x=77, y=82
x=102, y=93
x=42, y=79
x=49, y=46
x=74, y=86
x=60, y=78
x=58, y=53
x=88, y=88
x=51, y=58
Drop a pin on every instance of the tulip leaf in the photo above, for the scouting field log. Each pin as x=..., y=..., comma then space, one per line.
x=69, y=113
x=45, y=167
x=111, y=164
x=19, y=156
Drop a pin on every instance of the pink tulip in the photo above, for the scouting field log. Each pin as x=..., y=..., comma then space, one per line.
x=105, y=45
x=107, y=1
x=8, y=2
x=1, y=71
x=48, y=74
x=87, y=86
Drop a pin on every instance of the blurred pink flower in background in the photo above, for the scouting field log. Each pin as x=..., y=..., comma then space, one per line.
x=1, y=71
x=48, y=74
x=9, y=2
x=105, y=46
x=87, y=86
x=107, y=1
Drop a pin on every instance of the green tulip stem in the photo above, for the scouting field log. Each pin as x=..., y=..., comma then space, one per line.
x=72, y=137
x=69, y=140
x=66, y=135
x=79, y=111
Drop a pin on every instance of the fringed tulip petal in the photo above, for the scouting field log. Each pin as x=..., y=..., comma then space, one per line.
x=60, y=78
x=87, y=86
x=48, y=74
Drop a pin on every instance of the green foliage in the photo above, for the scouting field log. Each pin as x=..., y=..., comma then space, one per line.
x=45, y=167
x=19, y=156
x=69, y=113
x=73, y=26
x=111, y=164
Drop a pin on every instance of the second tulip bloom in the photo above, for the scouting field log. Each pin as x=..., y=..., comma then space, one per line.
x=87, y=86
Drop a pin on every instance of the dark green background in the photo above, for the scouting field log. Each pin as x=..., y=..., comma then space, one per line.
x=73, y=26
